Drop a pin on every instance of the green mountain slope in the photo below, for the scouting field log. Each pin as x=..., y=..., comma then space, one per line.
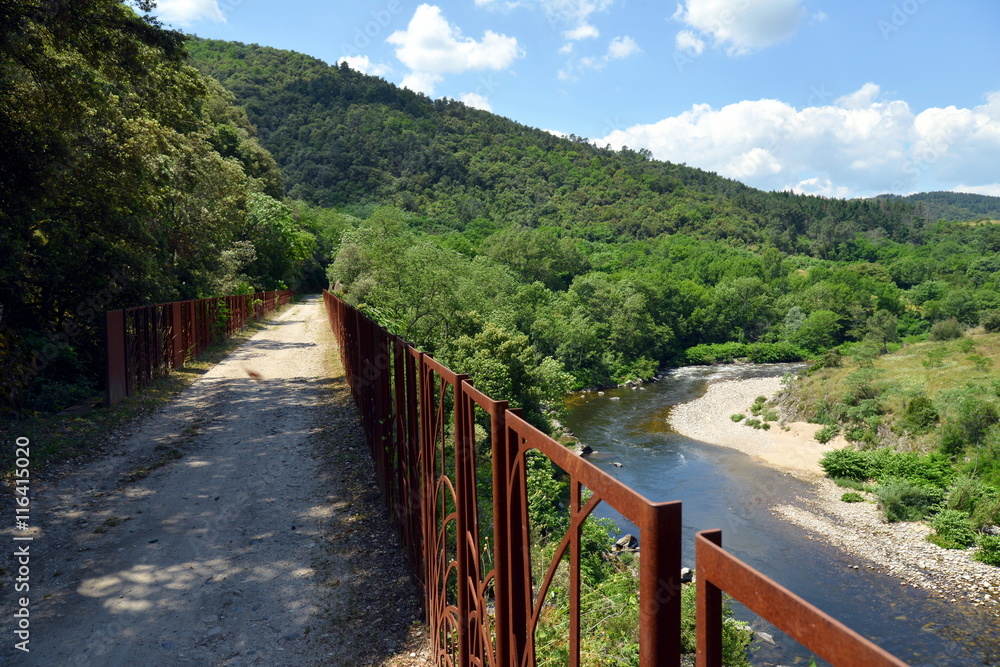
x=342, y=137
x=957, y=206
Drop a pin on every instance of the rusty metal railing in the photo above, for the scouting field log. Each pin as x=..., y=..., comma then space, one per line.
x=720, y=572
x=146, y=342
x=434, y=438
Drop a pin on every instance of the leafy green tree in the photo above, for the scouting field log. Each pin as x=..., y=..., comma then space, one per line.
x=820, y=331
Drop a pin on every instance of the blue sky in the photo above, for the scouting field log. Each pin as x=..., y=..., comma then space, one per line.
x=847, y=99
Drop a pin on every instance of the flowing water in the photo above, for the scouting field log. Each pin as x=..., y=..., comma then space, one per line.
x=723, y=488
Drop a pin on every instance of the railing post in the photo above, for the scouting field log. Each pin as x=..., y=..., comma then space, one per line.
x=512, y=551
x=176, y=334
x=708, y=612
x=660, y=585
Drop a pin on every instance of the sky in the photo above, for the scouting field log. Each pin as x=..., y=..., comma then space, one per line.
x=848, y=98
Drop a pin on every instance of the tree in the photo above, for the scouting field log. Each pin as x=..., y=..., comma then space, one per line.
x=882, y=329
x=820, y=331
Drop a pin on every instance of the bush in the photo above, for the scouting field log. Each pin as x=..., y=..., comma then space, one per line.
x=952, y=530
x=754, y=423
x=991, y=321
x=902, y=500
x=714, y=353
x=847, y=463
x=827, y=433
x=773, y=353
x=987, y=513
x=853, y=484
x=949, y=329
x=852, y=497
x=989, y=550
x=920, y=415
x=738, y=417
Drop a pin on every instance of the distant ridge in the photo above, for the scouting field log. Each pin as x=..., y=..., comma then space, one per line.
x=956, y=206
x=344, y=138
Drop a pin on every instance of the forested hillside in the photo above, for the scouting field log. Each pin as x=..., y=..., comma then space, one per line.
x=959, y=206
x=128, y=177
x=344, y=137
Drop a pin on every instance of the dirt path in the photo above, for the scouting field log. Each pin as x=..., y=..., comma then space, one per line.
x=214, y=534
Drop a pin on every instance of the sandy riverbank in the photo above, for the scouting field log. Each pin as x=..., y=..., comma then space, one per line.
x=856, y=528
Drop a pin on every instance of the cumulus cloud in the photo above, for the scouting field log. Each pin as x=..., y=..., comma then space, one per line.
x=431, y=47
x=188, y=12
x=740, y=26
x=364, y=65
x=993, y=189
x=622, y=47
x=618, y=48
x=689, y=42
x=476, y=101
x=582, y=31
x=862, y=144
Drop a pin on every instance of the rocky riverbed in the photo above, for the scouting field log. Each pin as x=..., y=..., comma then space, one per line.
x=858, y=529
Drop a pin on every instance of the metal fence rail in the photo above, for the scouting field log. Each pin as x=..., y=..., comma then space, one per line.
x=435, y=439
x=146, y=342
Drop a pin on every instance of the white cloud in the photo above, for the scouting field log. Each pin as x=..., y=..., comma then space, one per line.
x=582, y=31
x=364, y=65
x=862, y=144
x=432, y=47
x=187, y=12
x=618, y=48
x=476, y=101
x=740, y=26
x=689, y=42
x=622, y=47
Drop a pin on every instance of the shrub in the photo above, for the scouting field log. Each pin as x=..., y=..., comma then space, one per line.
x=772, y=353
x=827, y=433
x=715, y=353
x=847, y=463
x=753, y=422
x=965, y=493
x=949, y=329
x=920, y=415
x=989, y=550
x=902, y=500
x=952, y=530
x=852, y=497
x=770, y=415
x=987, y=512
x=738, y=417
x=991, y=321
x=853, y=484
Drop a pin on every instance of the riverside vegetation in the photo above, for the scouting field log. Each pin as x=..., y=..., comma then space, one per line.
x=174, y=167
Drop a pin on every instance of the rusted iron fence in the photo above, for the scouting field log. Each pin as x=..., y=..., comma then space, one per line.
x=146, y=342
x=438, y=442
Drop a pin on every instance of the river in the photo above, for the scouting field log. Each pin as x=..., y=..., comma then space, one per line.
x=723, y=488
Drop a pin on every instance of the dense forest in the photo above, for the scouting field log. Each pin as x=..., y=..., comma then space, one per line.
x=958, y=206
x=585, y=266
x=128, y=178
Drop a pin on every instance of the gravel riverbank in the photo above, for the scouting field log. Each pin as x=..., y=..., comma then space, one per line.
x=857, y=528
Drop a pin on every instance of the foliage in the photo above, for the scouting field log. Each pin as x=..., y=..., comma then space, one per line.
x=952, y=530
x=827, y=433
x=738, y=417
x=989, y=550
x=736, y=636
x=949, y=329
x=920, y=415
x=990, y=321
x=846, y=463
x=852, y=497
x=902, y=500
